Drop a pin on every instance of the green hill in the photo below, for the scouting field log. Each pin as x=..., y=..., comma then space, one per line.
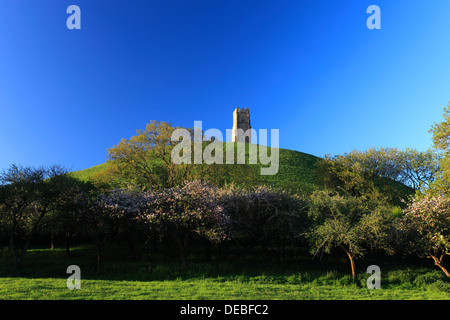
x=296, y=171
x=86, y=174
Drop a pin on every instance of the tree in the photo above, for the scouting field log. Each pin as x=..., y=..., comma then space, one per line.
x=375, y=162
x=349, y=223
x=103, y=215
x=265, y=217
x=419, y=169
x=425, y=228
x=349, y=176
x=27, y=196
x=441, y=142
x=190, y=209
x=62, y=220
x=384, y=169
x=145, y=159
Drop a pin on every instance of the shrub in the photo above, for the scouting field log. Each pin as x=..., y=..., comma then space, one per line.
x=427, y=278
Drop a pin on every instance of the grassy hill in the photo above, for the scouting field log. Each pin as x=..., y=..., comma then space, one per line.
x=296, y=171
x=87, y=174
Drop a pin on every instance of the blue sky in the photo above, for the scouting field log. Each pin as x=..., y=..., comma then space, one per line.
x=311, y=69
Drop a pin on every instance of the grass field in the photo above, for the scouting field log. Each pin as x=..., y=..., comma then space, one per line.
x=203, y=289
x=252, y=276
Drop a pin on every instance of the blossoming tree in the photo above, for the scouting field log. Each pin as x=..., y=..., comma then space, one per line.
x=189, y=209
x=425, y=229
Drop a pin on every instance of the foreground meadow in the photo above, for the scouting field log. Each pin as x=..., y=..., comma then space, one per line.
x=252, y=276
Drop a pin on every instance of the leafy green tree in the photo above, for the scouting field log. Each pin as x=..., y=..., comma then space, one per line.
x=27, y=196
x=349, y=223
x=348, y=176
x=63, y=220
x=375, y=162
x=383, y=169
x=145, y=159
x=419, y=169
x=441, y=142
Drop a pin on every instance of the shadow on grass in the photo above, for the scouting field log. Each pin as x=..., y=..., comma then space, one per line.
x=230, y=264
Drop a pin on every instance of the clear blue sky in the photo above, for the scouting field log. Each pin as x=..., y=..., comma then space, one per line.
x=311, y=69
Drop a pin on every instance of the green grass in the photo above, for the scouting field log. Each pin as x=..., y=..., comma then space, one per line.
x=202, y=289
x=296, y=171
x=85, y=175
x=252, y=276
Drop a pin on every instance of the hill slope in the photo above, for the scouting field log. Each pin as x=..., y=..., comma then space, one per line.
x=296, y=171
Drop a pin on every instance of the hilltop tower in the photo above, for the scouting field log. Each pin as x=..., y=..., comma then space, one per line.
x=241, y=125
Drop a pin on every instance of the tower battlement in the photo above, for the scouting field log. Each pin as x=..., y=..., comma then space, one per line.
x=242, y=110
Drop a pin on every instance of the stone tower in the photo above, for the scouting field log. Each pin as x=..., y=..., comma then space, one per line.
x=241, y=120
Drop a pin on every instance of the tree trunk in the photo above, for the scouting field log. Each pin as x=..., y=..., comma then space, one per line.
x=168, y=244
x=67, y=243
x=99, y=256
x=352, y=262
x=440, y=264
x=208, y=251
x=18, y=256
x=13, y=250
x=98, y=247
x=182, y=246
x=52, y=244
x=131, y=248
